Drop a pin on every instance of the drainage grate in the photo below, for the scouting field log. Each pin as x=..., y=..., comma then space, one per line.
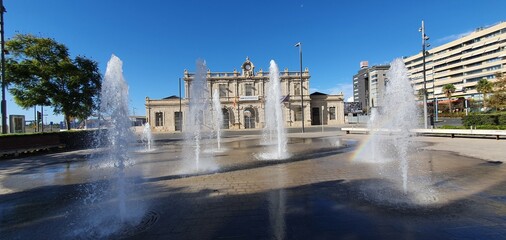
x=146, y=223
x=127, y=230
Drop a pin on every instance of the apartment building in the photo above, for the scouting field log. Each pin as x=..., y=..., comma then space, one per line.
x=369, y=85
x=462, y=62
x=361, y=86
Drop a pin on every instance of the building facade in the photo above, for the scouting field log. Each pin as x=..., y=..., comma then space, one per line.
x=242, y=96
x=377, y=83
x=369, y=85
x=361, y=86
x=463, y=62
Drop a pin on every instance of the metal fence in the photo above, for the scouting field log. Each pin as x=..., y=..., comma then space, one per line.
x=358, y=119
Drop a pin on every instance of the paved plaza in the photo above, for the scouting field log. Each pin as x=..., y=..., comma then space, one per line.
x=457, y=191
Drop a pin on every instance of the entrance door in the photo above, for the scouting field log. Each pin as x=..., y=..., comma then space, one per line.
x=226, y=118
x=315, y=116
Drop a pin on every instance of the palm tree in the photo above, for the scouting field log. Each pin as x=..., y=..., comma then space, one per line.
x=448, y=89
x=484, y=87
x=421, y=93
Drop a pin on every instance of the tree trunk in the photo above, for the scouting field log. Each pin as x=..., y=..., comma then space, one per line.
x=67, y=121
x=484, y=100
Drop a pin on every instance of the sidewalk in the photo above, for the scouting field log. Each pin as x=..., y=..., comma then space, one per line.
x=321, y=192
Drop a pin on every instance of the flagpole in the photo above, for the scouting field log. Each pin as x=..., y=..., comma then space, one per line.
x=299, y=45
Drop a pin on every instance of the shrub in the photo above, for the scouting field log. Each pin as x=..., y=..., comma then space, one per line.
x=502, y=119
x=480, y=119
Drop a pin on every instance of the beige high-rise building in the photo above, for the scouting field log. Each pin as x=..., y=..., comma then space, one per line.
x=242, y=96
x=462, y=62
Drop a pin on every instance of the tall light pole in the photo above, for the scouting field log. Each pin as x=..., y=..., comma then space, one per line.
x=180, y=111
x=424, y=53
x=323, y=108
x=4, y=83
x=299, y=45
x=434, y=97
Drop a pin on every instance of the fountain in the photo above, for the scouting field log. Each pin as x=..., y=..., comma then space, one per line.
x=197, y=129
x=114, y=105
x=147, y=137
x=274, y=131
x=109, y=198
x=397, y=116
x=217, y=118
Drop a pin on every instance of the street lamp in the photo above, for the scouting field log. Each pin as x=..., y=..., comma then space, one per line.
x=323, y=108
x=424, y=53
x=4, y=83
x=434, y=97
x=180, y=110
x=299, y=45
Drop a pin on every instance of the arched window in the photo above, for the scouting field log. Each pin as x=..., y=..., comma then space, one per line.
x=249, y=118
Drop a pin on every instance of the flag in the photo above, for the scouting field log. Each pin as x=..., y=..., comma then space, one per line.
x=285, y=98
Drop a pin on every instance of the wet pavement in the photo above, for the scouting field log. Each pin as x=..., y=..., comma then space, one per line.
x=456, y=191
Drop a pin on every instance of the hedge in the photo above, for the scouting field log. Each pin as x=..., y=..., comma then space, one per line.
x=502, y=119
x=484, y=119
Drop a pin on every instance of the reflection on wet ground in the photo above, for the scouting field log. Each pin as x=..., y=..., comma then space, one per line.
x=320, y=192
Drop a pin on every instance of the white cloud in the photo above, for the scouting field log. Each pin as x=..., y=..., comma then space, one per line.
x=453, y=37
x=345, y=88
x=312, y=90
x=350, y=99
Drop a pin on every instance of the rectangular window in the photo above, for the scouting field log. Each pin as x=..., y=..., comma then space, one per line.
x=248, y=89
x=296, y=89
x=159, y=119
x=298, y=114
x=178, y=118
x=223, y=90
x=332, y=113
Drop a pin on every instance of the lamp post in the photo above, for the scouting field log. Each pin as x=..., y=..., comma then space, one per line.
x=42, y=118
x=180, y=122
x=4, y=103
x=299, y=45
x=323, y=108
x=434, y=97
x=424, y=53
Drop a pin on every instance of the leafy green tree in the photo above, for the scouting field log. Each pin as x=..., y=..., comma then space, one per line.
x=421, y=93
x=484, y=87
x=498, y=97
x=41, y=72
x=448, y=90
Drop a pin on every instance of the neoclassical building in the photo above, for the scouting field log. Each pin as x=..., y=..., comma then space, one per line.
x=242, y=96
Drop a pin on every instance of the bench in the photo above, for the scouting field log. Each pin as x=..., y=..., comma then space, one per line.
x=452, y=132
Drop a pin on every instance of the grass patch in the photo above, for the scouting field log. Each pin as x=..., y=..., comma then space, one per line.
x=451, y=127
x=483, y=127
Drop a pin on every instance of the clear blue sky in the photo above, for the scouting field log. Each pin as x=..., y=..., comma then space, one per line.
x=158, y=39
